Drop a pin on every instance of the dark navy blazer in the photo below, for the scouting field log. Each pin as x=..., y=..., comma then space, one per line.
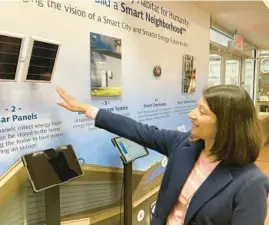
x=229, y=196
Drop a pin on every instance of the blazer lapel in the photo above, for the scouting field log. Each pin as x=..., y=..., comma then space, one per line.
x=215, y=182
x=184, y=161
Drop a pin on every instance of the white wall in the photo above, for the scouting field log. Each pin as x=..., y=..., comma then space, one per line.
x=140, y=54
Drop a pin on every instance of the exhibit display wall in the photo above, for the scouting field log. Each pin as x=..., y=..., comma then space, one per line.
x=103, y=53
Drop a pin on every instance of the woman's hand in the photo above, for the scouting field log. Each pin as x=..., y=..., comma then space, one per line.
x=71, y=104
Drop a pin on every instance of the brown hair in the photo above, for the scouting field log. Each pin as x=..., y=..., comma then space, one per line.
x=238, y=139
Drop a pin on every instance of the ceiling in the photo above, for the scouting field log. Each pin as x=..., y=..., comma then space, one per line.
x=249, y=18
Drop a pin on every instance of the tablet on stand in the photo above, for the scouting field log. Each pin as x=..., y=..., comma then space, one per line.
x=47, y=170
x=129, y=151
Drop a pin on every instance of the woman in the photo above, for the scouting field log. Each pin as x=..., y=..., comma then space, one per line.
x=211, y=178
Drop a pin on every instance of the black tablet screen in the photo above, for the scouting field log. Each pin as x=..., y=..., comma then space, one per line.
x=51, y=167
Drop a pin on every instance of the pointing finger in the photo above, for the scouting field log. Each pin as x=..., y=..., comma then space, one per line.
x=67, y=98
x=64, y=105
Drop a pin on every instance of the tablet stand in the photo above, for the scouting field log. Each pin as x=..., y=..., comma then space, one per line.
x=58, y=162
x=128, y=200
x=127, y=175
x=52, y=200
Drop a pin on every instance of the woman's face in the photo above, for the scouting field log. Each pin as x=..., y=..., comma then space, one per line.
x=204, y=122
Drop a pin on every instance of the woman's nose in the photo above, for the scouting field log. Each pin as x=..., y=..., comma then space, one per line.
x=192, y=114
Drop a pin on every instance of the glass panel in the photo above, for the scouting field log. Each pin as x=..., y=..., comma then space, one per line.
x=263, y=87
x=264, y=52
x=9, y=56
x=249, y=76
x=232, y=71
x=42, y=61
x=214, y=70
x=219, y=38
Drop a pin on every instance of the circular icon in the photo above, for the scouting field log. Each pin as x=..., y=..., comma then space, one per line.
x=157, y=71
x=140, y=215
x=164, y=162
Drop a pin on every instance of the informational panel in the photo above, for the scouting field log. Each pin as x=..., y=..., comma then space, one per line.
x=102, y=53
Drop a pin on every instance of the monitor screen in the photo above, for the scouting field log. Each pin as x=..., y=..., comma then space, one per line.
x=52, y=167
x=129, y=150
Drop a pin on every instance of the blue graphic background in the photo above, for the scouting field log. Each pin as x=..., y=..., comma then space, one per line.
x=95, y=146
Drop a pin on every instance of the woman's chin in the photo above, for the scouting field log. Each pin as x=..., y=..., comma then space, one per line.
x=194, y=136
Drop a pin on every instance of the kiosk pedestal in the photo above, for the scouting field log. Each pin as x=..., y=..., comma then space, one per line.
x=128, y=197
x=52, y=199
x=129, y=152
